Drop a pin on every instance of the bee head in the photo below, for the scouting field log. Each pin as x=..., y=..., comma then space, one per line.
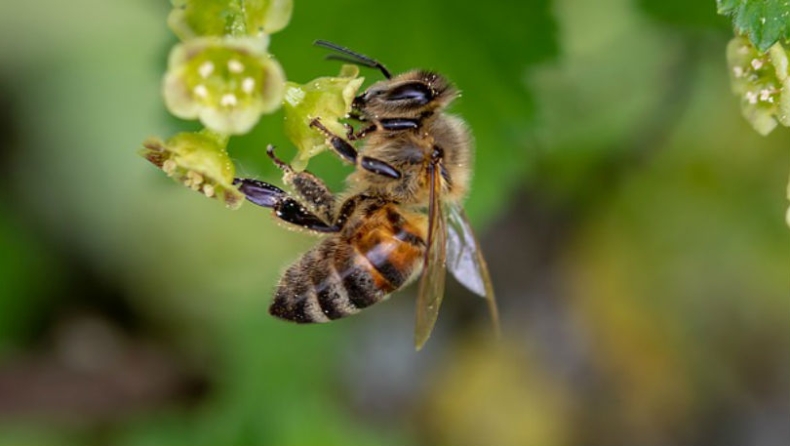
x=408, y=95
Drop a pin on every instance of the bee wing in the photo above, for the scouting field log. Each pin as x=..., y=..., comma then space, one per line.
x=431, y=290
x=465, y=259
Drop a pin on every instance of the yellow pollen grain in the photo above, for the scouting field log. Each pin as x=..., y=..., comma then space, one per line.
x=206, y=69
x=200, y=91
x=195, y=177
x=234, y=66
x=228, y=100
x=248, y=85
x=169, y=166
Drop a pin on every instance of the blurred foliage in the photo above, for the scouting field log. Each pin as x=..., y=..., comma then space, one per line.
x=632, y=221
x=692, y=15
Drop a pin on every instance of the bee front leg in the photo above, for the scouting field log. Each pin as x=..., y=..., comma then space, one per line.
x=349, y=153
x=285, y=208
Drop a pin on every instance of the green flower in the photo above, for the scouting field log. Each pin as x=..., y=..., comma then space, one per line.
x=762, y=82
x=326, y=97
x=199, y=161
x=200, y=18
x=227, y=83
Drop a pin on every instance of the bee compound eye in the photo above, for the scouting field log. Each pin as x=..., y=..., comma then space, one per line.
x=412, y=92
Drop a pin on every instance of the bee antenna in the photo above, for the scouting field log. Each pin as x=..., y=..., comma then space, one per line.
x=352, y=57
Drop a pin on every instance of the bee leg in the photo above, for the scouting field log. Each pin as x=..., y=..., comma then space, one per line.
x=352, y=135
x=259, y=192
x=361, y=134
x=356, y=116
x=349, y=153
x=291, y=211
x=349, y=131
x=379, y=167
x=395, y=124
x=310, y=188
x=340, y=145
x=285, y=208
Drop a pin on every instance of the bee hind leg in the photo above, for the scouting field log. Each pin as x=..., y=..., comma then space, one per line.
x=285, y=207
x=259, y=192
x=310, y=188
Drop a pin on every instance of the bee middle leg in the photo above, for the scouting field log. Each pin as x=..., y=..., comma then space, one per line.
x=291, y=211
x=353, y=135
x=347, y=151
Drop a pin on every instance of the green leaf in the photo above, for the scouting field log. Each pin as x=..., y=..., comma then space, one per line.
x=764, y=21
x=726, y=6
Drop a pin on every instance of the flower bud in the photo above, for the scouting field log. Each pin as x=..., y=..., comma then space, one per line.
x=202, y=18
x=328, y=98
x=199, y=161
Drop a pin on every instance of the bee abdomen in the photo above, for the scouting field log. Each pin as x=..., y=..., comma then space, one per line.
x=345, y=274
x=311, y=290
x=391, y=256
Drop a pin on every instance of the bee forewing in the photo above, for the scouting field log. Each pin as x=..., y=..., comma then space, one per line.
x=465, y=259
x=462, y=252
x=431, y=289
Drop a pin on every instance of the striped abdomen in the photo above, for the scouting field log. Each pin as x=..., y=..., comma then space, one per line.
x=351, y=270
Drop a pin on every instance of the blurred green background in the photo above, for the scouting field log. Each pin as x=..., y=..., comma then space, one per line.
x=633, y=223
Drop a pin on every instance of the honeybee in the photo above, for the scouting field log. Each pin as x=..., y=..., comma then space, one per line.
x=401, y=215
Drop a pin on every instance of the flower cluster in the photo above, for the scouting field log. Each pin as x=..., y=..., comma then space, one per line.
x=762, y=81
x=222, y=75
